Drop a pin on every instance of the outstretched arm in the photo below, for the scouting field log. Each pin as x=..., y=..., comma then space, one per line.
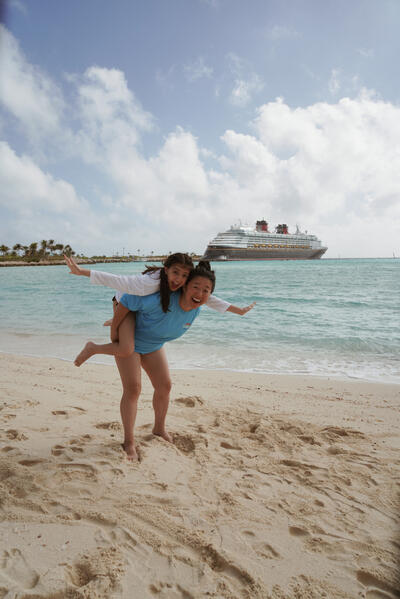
x=222, y=306
x=240, y=311
x=141, y=284
x=75, y=269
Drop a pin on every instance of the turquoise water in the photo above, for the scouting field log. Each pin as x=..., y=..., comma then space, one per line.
x=325, y=317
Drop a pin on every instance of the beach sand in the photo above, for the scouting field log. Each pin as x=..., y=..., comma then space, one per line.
x=276, y=487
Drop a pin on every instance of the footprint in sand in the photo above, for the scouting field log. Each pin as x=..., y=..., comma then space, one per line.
x=185, y=443
x=379, y=589
x=80, y=574
x=227, y=445
x=15, y=567
x=172, y=589
x=15, y=435
x=60, y=450
x=59, y=413
x=114, y=426
x=375, y=594
x=31, y=462
x=267, y=551
x=79, y=470
x=296, y=531
x=189, y=402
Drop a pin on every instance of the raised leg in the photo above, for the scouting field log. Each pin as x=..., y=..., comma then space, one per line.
x=156, y=367
x=123, y=348
x=130, y=373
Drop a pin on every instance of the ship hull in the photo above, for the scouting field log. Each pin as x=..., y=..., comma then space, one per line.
x=229, y=253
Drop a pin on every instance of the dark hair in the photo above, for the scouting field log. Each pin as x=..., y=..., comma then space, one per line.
x=165, y=292
x=203, y=269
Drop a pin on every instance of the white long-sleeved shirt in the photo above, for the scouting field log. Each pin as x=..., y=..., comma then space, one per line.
x=143, y=285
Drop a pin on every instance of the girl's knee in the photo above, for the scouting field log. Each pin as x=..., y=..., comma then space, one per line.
x=165, y=387
x=132, y=391
x=126, y=349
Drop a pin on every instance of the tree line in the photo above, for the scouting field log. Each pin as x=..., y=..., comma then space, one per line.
x=36, y=251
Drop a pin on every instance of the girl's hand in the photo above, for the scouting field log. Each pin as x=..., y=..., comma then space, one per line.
x=247, y=308
x=241, y=311
x=74, y=269
x=108, y=322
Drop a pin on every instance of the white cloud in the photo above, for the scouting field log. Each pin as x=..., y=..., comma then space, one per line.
x=333, y=168
x=366, y=52
x=165, y=78
x=112, y=118
x=244, y=89
x=27, y=92
x=328, y=166
x=25, y=187
x=246, y=82
x=212, y=3
x=20, y=6
x=334, y=81
x=197, y=70
x=278, y=32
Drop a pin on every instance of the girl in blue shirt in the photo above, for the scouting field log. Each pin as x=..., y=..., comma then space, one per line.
x=153, y=328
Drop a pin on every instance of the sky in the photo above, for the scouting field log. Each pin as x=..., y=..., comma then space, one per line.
x=137, y=126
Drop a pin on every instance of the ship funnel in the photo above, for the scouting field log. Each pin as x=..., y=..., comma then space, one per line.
x=262, y=225
x=282, y=229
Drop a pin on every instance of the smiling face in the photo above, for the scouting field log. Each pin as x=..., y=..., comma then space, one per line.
x=176, y=275
x=196, y=293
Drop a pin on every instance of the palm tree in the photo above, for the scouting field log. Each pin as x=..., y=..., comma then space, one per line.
x=17, y=248
x=43, y=248
x=4, y=249
x=50, y=245
x=68, y=250
x=58, y=248
x=33, y=248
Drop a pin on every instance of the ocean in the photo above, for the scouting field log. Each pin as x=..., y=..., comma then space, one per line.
x=337, y=318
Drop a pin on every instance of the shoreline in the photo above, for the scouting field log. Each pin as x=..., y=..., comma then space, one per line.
x=108, y=260
x=160, y=258
x=274, y=487
x=10, y=263
x=322, y=377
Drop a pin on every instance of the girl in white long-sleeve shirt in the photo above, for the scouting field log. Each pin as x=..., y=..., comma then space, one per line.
x=166, y=279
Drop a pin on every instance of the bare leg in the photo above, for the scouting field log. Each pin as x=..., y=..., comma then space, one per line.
x=123, y=347
x=156, y=366
x=130, y=373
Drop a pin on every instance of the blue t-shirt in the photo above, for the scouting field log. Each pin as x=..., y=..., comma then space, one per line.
x=153, y=326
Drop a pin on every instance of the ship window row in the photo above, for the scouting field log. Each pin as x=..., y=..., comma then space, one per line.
x=276, y=245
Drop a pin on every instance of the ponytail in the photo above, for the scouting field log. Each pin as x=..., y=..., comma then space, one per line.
x=203, y=269
x=165, y=291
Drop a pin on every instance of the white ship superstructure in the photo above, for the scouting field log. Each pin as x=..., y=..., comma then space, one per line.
x=243, y=242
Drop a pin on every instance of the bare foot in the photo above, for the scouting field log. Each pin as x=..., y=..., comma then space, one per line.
x=163, y=434
x=130, y=451
x=85, y=354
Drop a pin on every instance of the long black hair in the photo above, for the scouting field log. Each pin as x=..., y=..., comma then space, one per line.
x=203, y=269
x=165, y=291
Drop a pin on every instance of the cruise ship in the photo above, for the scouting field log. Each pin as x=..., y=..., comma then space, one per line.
x=243, y=242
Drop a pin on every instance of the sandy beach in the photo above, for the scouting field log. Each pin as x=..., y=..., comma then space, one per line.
x=276, y=487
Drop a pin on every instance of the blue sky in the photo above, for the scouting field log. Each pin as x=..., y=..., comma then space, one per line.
x=154, y=125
